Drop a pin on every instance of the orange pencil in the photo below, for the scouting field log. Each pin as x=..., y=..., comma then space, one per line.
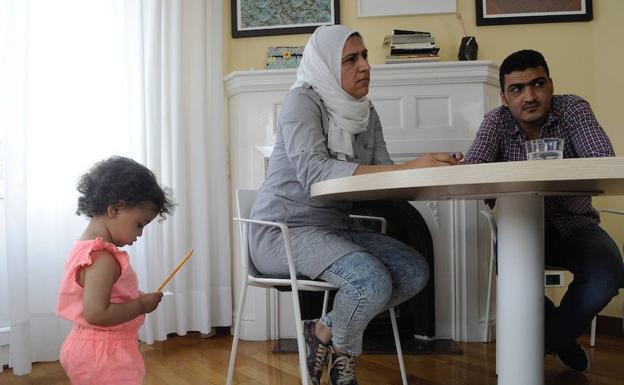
x=162, y=285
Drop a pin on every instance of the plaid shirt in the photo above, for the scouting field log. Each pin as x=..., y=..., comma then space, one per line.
x=499, y=139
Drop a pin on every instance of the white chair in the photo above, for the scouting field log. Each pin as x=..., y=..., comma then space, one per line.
x=493, y=256
x=251, y=277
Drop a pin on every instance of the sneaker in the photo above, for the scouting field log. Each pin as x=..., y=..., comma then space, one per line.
x=317, y=353
x=575, y=357
x=341, y=369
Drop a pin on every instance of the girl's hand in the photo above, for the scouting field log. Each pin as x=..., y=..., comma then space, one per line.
x=434, y=160
x=150, y=301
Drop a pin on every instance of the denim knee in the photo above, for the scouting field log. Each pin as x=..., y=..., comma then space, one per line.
x=408, y=269
x=377, y=292
x=416, y=274
x=369, y=290
x=604, y=272
x=605, y=283
x=592, y=289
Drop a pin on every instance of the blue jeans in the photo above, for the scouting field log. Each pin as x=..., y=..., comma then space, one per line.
x=595, y=260
x=388, y=273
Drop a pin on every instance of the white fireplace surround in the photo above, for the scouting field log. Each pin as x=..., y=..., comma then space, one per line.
x=423, y=107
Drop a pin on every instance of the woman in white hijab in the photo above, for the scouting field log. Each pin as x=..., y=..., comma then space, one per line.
x=328, y=129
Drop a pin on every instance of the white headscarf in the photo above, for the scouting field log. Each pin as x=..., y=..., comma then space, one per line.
x=320, y=67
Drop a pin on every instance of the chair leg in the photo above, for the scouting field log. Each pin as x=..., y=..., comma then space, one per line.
x=237, y=326
x=325, y=303
x=397, y=341
x=592, y=338
x=486, y=327
x=303, y=367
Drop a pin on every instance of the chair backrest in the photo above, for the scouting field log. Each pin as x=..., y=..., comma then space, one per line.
x=244, y=202
x=493, y=229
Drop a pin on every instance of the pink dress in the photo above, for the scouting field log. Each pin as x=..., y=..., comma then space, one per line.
x=99, y=355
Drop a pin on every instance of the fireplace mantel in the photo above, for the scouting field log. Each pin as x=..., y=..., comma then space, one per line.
x=423, y=107
x=382, y=75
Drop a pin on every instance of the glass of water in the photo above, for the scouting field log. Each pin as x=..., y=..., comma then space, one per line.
x=544, y=149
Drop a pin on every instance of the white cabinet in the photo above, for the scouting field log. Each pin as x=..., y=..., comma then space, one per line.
x=423, y=107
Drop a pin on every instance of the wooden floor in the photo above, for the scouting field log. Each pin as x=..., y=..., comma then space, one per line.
x=193, y=360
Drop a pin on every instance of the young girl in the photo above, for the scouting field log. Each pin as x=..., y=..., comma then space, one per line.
x=99, y=291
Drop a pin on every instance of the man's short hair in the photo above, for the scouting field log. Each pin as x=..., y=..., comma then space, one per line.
x=520, y=61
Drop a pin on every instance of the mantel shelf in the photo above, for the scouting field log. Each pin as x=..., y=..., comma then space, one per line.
x=381, y=74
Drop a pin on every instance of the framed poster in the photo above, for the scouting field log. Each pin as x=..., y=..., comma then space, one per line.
x=497, y=12
x=281, y=17
x=371, y=8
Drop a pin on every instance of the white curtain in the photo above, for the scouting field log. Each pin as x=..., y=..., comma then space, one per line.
x=83, y=80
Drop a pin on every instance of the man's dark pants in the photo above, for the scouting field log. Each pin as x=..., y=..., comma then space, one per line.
x=595, y=260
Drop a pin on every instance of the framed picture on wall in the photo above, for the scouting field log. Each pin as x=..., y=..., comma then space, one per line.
x=282, y=17
x=497, y=12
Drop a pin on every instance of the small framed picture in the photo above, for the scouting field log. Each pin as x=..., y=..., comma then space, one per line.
x=284, y=57
x=497, y=12
x=282, y=17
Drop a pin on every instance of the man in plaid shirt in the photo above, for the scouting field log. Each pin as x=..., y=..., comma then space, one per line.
x=573, y=239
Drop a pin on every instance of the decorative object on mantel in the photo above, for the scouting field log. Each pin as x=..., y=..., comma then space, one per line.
x=496, y=12
x=468, y=46
x=373, y=8
x=281, y=17
x=410, y=47
x=283, y=57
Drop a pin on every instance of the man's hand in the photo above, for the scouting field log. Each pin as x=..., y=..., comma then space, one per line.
x=434, y=160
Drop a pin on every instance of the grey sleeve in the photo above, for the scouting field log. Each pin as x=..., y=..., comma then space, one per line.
x=301, y=127
x=380, y=155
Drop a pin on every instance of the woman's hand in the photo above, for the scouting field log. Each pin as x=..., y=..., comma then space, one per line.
x=149, y=302
x=434, y=160
x=427, y=160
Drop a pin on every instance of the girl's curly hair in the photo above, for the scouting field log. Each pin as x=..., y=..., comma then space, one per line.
x=120, y=179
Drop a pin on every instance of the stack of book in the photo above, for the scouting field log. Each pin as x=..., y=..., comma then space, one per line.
x=410, y=47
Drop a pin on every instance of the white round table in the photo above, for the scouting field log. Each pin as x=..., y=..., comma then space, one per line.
x=519, y=188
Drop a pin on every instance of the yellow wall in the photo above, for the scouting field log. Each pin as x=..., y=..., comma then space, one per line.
x=584, y=58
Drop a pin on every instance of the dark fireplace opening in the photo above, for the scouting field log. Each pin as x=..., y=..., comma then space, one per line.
x=415, y=316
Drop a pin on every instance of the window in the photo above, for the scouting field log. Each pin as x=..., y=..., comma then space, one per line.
x=4, y=300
